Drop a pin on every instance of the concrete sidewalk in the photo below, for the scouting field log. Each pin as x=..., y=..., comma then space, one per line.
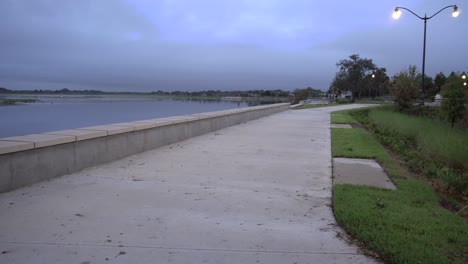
x=258, y=192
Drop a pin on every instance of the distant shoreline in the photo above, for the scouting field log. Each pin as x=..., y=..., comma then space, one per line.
x=12, y=98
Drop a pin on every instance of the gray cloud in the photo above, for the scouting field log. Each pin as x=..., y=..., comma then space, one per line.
x=111, y=45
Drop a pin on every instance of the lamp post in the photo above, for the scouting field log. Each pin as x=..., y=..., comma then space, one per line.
x=397, y=14
x=464, y=79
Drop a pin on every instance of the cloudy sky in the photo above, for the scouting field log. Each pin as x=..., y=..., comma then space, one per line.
x=148, y=45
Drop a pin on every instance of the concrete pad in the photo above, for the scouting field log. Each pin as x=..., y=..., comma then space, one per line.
x=42, y=140
x=14, y=146
x=79, y=134
x=360, y=172
x=259, y=192
x=341, y=126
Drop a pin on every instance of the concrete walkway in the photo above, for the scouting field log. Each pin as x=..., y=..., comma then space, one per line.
x=259, y=192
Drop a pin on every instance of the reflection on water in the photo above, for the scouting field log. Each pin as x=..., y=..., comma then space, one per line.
x=55, y=112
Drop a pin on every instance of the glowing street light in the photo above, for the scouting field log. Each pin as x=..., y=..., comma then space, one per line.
x=397, y=15
x=455, y=12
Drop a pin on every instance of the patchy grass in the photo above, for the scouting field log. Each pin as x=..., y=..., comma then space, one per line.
x=402, y=226
x=342, y=119
x=370, y=101
x=406, y=225
x=356, y=143
x=308, y=106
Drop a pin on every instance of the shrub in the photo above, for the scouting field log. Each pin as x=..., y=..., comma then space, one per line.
x=405, y=90
x=453, y=101
x=342, y=101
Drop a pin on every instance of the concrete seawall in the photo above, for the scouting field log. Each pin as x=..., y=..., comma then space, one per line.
x=25, y=160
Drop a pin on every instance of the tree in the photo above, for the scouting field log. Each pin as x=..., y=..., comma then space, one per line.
x=352, y=74
x=405, y=89
x=304, y=94
x=299, y=95
x=439, y=81
x=379, y=83
x=430, y=89
x=453, y=98
x=339, y=84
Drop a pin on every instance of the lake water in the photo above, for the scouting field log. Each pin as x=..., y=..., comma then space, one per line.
x=58, y=113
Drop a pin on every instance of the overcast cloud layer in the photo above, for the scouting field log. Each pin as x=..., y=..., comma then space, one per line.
x=149, y=45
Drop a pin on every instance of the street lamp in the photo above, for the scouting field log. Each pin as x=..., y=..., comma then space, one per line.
x=397, y=14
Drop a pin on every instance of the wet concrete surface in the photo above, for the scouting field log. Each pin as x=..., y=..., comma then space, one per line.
x=259, y=192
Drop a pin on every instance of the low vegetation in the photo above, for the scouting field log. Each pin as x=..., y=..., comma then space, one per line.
x=430, y=148
x=406, y=225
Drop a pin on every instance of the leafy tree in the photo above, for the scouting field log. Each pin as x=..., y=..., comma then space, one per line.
x=379, y=83
x=304, y=94
x=430, y=89
x=352, y=74
x=299, y=95
x=339, y=84
x=405, y=89
x=439, y=81
x=453, y=98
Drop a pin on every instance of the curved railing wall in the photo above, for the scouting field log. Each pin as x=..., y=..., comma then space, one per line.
x=25, y=160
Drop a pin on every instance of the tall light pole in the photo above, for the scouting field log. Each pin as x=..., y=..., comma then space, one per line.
x=397, y=14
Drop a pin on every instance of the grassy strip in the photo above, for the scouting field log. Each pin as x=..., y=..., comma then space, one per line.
x=356, y=143
x=342, y=119
x=308, y=106
x=404, y=226
x=368, y=101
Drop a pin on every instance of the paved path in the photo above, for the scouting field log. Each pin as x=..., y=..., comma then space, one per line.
x=259, y=192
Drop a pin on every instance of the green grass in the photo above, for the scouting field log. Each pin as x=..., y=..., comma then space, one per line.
x=356, y=143
x=403, y=226
x=342, y=119
x=370, y=101
x=406, y=225
x=308, y=106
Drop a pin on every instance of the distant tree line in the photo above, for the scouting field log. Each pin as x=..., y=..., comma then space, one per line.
x=219, y=93
x=205, y=93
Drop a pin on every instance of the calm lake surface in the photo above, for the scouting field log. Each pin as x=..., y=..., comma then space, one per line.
x=67, y=112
